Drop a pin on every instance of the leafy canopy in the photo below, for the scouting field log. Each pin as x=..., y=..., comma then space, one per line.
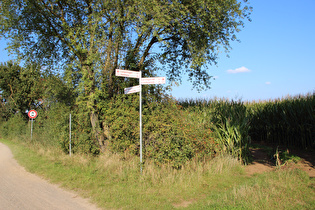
x=29, y=87
x=20, y=88
x=182, y=35
x=88, y=39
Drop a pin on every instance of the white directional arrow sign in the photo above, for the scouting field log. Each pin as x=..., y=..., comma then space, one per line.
x=127, y=73
x=152, y=80
x=133, y=89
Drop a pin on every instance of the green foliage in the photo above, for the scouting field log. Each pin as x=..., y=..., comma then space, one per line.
x=16, y=126
x=57, y=123
x=189, y=34
x=172, y=136
x=232, y=127
x=286, y=157
x=20, y=87
x=173, y=132
x=88, y=40
x=229, y=121
x=122, y=114
x=169, y=135
x=83, y=141
x=30, y=87
x=289, y=122
x=52, y=125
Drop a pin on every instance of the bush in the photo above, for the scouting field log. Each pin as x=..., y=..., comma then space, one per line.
x=168, y=134
x=16, y=126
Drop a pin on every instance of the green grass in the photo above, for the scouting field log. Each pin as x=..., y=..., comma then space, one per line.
x=114, y=182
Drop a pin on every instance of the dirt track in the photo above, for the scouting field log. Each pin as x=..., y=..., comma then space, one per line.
x=22, y=190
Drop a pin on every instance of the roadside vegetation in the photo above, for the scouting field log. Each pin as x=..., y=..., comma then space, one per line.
x=195, y=154
x=112, y=181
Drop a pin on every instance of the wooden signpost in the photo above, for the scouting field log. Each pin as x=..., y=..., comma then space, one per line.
x=138, y=88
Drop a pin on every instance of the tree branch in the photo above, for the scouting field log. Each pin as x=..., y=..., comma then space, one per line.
x=146, y=52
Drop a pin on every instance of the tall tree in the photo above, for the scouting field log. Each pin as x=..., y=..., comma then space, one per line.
x=20, y=88
x=29, y=87
x=91, y=38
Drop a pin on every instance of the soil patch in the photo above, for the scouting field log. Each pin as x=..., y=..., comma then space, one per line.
x=263, y=161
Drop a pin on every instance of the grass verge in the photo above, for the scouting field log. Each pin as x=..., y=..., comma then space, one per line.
x=112, y=181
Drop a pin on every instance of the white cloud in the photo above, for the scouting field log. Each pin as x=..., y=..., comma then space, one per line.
x=268, y=83
x=238, y=70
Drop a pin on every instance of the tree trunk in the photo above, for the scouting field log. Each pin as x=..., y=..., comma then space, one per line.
x=97, y=130
x=91, y=104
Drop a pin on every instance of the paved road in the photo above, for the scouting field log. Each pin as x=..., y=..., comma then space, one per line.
x=22, y=190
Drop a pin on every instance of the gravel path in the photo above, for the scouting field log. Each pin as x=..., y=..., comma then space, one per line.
x=20, y=189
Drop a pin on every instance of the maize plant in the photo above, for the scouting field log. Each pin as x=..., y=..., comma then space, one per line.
x=289, y=121
x=231, y=128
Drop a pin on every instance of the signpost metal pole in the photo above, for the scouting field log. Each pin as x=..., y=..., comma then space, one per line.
x=140, y=116
x=32, y=129
x=70, y=135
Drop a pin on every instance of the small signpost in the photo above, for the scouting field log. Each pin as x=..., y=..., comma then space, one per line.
x=133, y=89
x=32, y=114
x=138, y=88
x=153, y=80
x=127, y=73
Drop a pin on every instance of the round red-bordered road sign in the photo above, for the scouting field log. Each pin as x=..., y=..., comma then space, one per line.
x=32, y=114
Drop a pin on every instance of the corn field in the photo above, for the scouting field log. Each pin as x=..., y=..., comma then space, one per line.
x=230, y=123
x=289, y=121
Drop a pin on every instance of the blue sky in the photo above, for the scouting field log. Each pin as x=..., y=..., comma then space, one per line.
x=275, y=58
x=277, y=49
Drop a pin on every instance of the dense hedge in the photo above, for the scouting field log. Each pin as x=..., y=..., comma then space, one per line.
x=170, y=134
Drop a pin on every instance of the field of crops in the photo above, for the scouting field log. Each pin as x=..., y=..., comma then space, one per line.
x=288, y=122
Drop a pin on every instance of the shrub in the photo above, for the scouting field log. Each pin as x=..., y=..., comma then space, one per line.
x=168, y=134
x=15, y=126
